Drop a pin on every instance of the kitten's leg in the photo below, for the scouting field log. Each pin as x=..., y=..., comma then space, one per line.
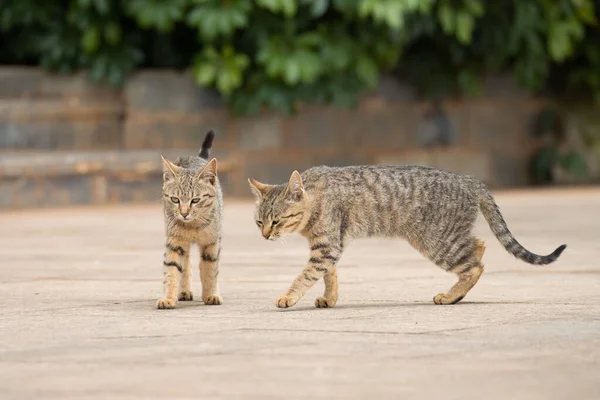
x=209, y=271
x=323, y=258
x=329, y=298
x=479, y=249
x=185, y=286
x=468, y=275
x=176, y=256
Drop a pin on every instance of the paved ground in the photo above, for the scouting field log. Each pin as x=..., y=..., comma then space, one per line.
x=77, y=317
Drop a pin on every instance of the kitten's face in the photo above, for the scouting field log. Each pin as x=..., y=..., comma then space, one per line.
x=279, y=209
x=190, y=195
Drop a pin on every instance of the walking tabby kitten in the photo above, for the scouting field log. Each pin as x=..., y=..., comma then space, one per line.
x=434, y=210
x=193, y=204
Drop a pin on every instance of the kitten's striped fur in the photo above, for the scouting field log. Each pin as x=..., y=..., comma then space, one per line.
x=193, y=206
x=434, y=210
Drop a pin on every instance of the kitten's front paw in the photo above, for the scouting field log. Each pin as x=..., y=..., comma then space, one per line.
x=165, y=303
x=214, y=300
x=185, y=295
x=445, y=299
x=286, y=301
x=323, y=302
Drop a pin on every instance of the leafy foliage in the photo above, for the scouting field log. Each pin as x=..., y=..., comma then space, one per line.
x=281, y=53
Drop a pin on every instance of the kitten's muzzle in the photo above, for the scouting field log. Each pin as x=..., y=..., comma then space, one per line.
x=271, y=236
x=184, y=218
x=266, y=233
x=183, y=214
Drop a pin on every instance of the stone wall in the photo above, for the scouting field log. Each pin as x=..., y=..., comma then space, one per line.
x=164, y=111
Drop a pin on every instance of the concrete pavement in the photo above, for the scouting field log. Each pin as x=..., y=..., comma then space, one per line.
x=77, y=319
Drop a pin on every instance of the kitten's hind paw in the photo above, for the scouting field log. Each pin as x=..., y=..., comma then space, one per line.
x=445, y=299
x=164, y=304
x=323, y=302
x=285, y=301
x=213, y=300
x=185, y=295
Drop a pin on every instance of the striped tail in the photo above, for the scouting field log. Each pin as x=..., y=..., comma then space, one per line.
x=207, y=145
x=494, y=218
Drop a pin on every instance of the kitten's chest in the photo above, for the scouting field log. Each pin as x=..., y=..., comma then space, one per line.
x=193, y=234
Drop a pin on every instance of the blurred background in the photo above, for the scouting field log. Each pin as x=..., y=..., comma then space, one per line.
x=92, y=91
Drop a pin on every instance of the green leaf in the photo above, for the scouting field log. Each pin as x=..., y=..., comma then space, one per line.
x=318, y=7
x=218, y=19
x=205, y=74
x=102, y=6
x=558, y=42
x=367, y=71
x=158, y=14
x=586, y=11
x=291, y=72
x=223, y=68
x=309, y=39
x=464, y=27
x=90, y=41
x=285, y=7
x=446, y=17
x=310, y=64
x=112, y=33
x=475, y=7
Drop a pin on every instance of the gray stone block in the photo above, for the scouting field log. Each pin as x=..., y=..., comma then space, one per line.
x=497, y=127
x=418, y=157
x=19, y=81
x=342, y=159
x=379, y=128
x=47, y=192
x=141, y=190
x=474, y=163
x=260, y=133
x=60, y=135
x=503, y=87
x=168, y=91
x=438, y=126
x=78, y=84
x=164, y=132
x=314, y=128
x=509, y=170
x=393, y=90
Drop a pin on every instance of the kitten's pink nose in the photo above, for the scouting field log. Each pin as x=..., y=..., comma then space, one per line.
x=184, y=214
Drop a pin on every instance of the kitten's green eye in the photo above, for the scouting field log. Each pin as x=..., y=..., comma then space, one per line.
x=175, y=200
x=274, y=223
x=195, y=200
x=259, y=223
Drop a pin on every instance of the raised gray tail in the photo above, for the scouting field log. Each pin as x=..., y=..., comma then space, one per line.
x=494, y=218
x=207, y=145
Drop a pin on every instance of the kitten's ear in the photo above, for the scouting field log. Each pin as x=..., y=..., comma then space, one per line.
x=209, y=172
x=295, y=187
x=170, y=170
x=258, y=189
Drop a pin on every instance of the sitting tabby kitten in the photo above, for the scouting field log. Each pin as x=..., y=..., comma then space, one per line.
x=434, y=210
x=193, y=204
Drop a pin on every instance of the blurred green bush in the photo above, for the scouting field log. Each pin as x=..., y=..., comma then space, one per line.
x=280, y=53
